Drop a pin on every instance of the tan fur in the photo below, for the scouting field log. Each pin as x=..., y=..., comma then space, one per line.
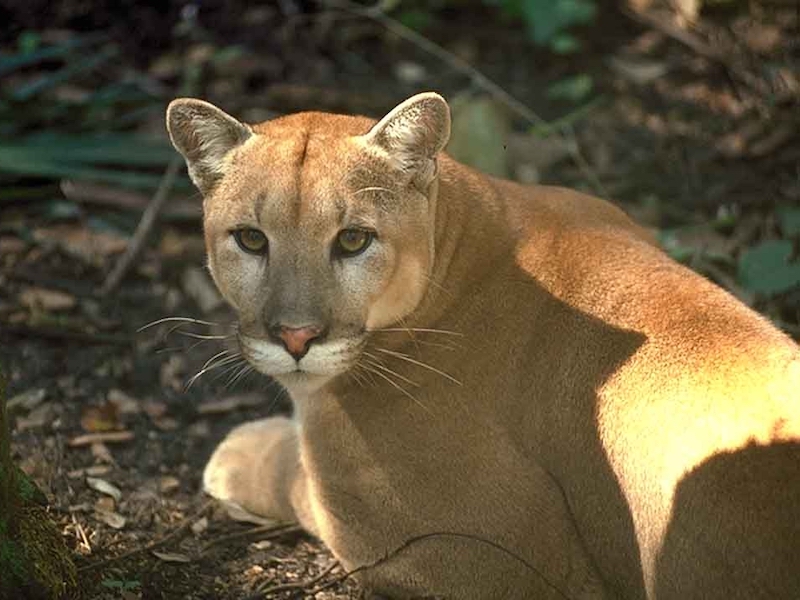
x=518, y=394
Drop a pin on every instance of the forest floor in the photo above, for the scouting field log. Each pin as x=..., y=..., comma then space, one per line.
x=693, y=130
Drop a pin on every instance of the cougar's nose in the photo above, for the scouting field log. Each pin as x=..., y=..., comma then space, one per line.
x=296, y=340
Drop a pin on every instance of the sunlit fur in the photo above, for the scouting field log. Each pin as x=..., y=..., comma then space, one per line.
x=518, y=395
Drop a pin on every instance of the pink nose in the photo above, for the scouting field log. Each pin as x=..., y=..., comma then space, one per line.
x=297, y=339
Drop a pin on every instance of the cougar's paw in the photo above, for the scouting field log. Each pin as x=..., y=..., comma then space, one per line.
x=246, y=471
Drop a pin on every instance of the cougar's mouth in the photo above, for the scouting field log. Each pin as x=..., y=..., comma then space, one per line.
x=325, y=359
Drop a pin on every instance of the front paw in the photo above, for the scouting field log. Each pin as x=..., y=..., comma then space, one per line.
x=247, y=471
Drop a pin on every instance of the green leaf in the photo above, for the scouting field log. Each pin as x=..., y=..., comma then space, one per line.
x=105, y=148
x=51, y=80
x=565, y=43
x=789, y=218
x=25, y=59
x=30, y=162
x=765, y=268
x=548, y=18
x=574, y=88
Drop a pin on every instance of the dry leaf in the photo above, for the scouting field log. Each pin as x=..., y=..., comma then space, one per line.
x=223, y=405
x=90, y=246
x=154, y=410
x=262, y=545
x=93, y=471
x=105, y=504
x=166, y=424
x=107, y=437
x=125, y=403
x=35, y=298
x=168, y=483
x=199, y=526
x=101, y=452
x=112, y=519
x=104, y=487
x=637, y=70
x=101, y=418
x=11, y=245
x=199, y=287
x=27, y=400
x=38, y=417
x=172, y=372
x=172, y=557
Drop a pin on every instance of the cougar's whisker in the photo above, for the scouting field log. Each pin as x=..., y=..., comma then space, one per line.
x=407, y=358
x=398, y=387
x=173, y=319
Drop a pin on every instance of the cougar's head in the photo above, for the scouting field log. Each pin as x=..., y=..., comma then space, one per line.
x=318, y=227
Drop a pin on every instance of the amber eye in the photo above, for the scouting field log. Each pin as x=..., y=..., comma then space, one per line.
x=251, y=240
x=351, y=242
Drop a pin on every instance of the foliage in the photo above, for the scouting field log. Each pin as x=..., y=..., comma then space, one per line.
x=548, y=21
x=87, y=115
x=772, y=266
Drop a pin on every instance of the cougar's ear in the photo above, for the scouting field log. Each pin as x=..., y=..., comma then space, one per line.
x=204, y=134
x=412, y=134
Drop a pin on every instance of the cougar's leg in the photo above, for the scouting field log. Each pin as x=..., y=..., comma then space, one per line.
x=256, y=471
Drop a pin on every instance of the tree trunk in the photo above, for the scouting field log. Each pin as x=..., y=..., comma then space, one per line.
x=35, y=564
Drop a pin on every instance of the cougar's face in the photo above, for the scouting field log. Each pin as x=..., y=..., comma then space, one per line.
x=315, y=242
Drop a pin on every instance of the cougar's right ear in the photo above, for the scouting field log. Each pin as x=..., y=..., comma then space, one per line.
x=204, y=135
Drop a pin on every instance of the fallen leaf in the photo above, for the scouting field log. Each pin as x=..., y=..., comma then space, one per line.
x=112, y=519
x=229, y=403
x=108, y=437
x=27, y=400
x=172, y=557
x=262, y=545
x=35, y=298
x=101, y=452
x=637, y=70
x=105, y=504
x=172, y=372
x=168, y=483
x=38, y=417
x=104, y=487
x=11, y=245
x=166, y=424
x=154, y=409
x=101, y=418
x=199, y=526
x=90, y=246
x=199, y=287
x=125, y=403
x=97, y=470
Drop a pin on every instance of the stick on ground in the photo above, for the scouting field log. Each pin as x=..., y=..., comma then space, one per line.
x=143, y=230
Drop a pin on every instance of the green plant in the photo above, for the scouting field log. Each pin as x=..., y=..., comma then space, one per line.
x=547, y=21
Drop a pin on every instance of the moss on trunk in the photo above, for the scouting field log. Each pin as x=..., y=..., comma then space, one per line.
x=34, y=561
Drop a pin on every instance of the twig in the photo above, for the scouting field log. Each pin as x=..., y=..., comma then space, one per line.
x=376, y=14
x=295, y=586
x=269, y=532
x=143, y=229
x=174, y=534
x=458, y=64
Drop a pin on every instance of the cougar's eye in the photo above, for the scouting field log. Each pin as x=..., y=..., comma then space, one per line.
x=251, y=240
x=351, y=242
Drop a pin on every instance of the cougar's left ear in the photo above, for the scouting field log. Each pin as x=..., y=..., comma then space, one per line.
x=204, y=134
x=412, y=134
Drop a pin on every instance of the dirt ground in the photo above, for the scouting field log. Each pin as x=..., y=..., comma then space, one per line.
x=697, y=140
